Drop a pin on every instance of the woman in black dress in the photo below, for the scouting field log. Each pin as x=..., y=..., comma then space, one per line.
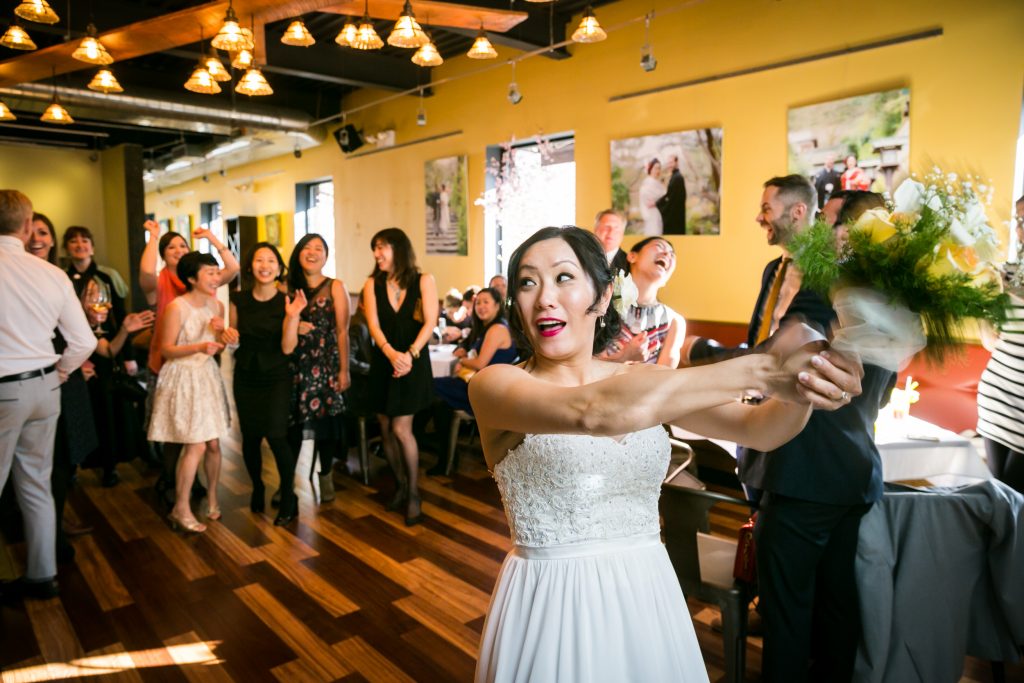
x=401, y=312
x=316, y=336
x=263, y=381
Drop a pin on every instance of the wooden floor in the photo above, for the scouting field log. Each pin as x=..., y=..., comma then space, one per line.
x=349, y=593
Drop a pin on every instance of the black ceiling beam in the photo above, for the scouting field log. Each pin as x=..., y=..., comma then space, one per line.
x=327, y=61
x=524, y=44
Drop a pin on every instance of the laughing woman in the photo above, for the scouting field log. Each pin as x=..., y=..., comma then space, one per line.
x=401, y=311
x=263, y=382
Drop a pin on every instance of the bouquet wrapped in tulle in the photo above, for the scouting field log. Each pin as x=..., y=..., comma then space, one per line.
x=908, y=279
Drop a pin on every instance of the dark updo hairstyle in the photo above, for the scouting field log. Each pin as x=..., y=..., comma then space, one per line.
x=296, y=276
x=42, y=218
x=189, y=265
x=856, y=203
x=638, y=247
x=166, y=239
x=594, y=263
x=479, y=327
x=248, y=279
x=76, y=231
x=403, y=257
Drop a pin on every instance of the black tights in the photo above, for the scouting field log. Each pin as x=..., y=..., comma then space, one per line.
x=284, y=457
x=1007, y=465
x=325, y=448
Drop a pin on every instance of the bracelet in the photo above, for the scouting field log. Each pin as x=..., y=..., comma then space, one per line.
x=414, y=352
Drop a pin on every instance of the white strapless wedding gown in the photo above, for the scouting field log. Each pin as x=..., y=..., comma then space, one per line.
x=588, y=592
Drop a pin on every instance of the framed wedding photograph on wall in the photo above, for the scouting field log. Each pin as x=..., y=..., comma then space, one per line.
x=855, y=143
x=272, y=224
x=669, y=184
x=446, y=211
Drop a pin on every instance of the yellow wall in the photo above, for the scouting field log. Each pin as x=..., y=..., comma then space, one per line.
x=965, y=90
x=63, y=184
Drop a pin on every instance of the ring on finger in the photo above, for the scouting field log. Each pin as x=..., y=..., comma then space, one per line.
x=844, y=397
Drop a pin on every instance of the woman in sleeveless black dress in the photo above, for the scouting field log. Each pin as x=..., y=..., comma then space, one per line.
x=263, y=380
x=401, y=312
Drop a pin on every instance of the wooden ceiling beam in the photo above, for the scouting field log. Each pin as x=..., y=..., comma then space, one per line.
x=435, y=13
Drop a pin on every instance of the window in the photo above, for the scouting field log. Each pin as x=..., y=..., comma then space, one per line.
x=211, y=219
x=529, y=185
x=314, y=213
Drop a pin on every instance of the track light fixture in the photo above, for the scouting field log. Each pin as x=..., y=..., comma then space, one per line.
x=514, y=96
x=647, y=60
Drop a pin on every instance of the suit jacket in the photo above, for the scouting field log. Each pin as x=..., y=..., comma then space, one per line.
x=620, y=262
x=821, y=183
x=673, y=205
x=834, y=459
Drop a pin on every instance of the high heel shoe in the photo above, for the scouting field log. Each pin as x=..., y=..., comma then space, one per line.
x=213, y=513
x=287, y=514
x=413, y=520
x=258, y=501
x=192, y=526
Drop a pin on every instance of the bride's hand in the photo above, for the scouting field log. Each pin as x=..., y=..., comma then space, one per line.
x=834, y=380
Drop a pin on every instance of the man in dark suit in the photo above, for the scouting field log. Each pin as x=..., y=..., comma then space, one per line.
x=672, y=204
x=826, y=183
x=814, y=489
x=609, y=229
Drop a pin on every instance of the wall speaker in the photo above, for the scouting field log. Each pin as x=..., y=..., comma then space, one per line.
x=349, y=139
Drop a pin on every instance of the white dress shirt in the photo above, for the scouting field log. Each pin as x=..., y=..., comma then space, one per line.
x=36, y=298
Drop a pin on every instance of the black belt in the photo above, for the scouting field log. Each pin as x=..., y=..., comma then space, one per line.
x=42, y=372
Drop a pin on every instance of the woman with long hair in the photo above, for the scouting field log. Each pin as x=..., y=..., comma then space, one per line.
x=401, y=312
x=263, y=381
x=316, y=337
x=489, y=342
x=577, y=447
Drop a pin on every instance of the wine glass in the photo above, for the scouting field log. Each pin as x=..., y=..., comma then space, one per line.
x=97, y=299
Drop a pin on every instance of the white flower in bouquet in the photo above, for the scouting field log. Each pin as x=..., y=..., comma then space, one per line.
x=624, y=293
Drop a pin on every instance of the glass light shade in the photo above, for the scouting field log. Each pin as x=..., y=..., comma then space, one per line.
x=366, y=36
x=242, y=59
x=105, y=82
x=38, y=11
x=17, y=39
x=231, y=37
x=91, y=51
x=253, y=83
x=407, y=31
x=5, y=112
x=202, y=82
x=589, y=30
x=216, y=68
x=482, y=48
x=297, y=35
x=428, y=56
x=347, y=35
x=55, y=113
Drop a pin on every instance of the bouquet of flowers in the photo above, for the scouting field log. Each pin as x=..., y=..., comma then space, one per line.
x=907, y=279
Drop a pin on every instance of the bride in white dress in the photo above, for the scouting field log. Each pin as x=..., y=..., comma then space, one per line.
x=577, y=449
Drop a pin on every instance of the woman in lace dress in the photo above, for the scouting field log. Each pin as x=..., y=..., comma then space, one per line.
x=190, y=405
x=577, y=448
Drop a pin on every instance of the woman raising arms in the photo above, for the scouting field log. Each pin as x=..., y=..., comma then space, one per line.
x=578, y=451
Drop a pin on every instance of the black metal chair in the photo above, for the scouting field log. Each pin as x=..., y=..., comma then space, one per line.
x=704, y=563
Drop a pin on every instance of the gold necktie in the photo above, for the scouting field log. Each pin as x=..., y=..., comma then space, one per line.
x=768, y=313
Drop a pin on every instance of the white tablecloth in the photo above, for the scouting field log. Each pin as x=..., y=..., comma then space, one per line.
x=442, y=359
x=915, y=449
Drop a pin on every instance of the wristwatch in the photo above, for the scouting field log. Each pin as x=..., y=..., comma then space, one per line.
x=414, y=352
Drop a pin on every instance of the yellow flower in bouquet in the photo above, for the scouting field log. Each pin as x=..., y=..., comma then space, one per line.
x=877, y=224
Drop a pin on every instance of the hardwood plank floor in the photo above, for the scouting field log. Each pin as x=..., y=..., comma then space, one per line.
x=349, y=593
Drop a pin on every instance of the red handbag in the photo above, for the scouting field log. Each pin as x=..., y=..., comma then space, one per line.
x=745, y=567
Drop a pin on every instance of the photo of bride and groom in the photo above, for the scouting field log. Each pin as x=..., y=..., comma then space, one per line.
x=669, y=184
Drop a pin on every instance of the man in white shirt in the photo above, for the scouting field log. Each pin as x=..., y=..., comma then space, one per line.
x=609, y=229
x=35, y=299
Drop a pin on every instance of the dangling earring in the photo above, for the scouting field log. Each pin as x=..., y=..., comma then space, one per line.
x=602, y=321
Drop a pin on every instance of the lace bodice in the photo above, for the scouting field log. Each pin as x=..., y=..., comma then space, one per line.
x=195, y=327
x=572, y=488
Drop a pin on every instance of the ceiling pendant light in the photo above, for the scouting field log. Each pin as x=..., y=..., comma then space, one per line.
x=105, y=82
x=428, y=55
x=202, y=81
x=55, y=113
x=482, y=48
x=5, y=112
x=298, y=35
x=589, y=30
x=242, y=59
x=216, y=68
x=366, y=34
x=232, y=37
x=17, y=39
x=91, y=50
x=407, y=31
x=38, y=11
x=254, y=84
x=347, y=35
